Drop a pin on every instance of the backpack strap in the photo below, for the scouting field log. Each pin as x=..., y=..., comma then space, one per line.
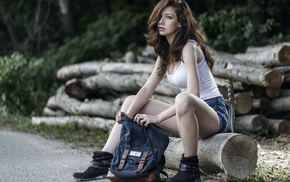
x=123, y=159
x=142, y=162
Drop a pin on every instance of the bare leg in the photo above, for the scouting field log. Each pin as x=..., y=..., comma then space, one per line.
x=194, y=119
x=114, y=137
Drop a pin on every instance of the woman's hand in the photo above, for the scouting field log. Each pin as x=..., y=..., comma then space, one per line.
x=119, y=117
x=145, y=119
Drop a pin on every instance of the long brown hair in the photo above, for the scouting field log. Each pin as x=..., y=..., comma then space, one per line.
x=189, y=30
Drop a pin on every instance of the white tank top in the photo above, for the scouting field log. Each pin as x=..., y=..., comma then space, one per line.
x=208, y=87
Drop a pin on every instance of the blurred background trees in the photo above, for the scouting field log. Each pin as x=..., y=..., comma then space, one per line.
x=39, y=36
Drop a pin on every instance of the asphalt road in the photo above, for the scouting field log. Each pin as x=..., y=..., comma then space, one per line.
x=26, y=157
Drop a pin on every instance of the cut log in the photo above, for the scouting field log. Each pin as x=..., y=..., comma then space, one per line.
x=255, y=123
x=257, y=91
x=95, y=107
x=49, y=112
x=226, y=66
x=279, y=126
x=243, y=103
x=94, y=67
x=238, y=86
x=232, y=153
x=276, y=47
x=267, y=58
x=84, y=121
x=280, y=104
x=273, y=92
x=83, y=88
x=262, y=103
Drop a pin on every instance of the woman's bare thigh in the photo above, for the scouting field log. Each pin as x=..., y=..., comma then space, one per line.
x=154, y=107
x=207, y=118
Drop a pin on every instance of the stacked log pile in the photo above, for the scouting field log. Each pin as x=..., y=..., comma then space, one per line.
x=94, y=91
x=262, y=87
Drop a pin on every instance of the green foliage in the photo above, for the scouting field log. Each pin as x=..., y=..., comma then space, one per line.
x=24, y=85
x=110, y=36
x=233, y=30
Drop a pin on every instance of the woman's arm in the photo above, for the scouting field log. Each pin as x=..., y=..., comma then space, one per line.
x=192, y=54
x=146, y=91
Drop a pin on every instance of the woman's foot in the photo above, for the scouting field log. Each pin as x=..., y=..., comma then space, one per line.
x=188, y=171
x=98, y=168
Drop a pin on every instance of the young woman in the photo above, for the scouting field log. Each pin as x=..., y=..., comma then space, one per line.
x=199, y=110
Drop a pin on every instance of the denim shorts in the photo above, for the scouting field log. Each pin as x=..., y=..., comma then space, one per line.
x=221, y=108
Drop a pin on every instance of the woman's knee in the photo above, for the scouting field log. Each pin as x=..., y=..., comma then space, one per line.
x=183, y=103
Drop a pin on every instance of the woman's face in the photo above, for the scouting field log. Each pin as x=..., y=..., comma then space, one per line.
x=168, y=23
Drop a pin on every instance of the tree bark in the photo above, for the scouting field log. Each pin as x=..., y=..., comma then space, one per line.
x=277, y=47
x=82, y=88
x=226, y=66
x=262, y=103
x=279, y=126
x=256, y=124
x=238, y=86
x=87, y=69
x=66, y=18
x=85, y=121
x=96, y=107
x=50, y=112
x=267, y=58
x=280, y=104
x=232, y=153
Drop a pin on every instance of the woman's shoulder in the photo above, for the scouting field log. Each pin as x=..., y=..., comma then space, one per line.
x=192, y=46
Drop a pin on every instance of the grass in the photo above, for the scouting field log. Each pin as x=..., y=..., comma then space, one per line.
x=94, y=138
x=71, y=133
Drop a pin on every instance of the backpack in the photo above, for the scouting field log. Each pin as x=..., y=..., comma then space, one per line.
x=140, y=154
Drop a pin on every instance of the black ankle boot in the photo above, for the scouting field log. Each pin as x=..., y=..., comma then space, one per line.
x=188, y=171
x=98, y=168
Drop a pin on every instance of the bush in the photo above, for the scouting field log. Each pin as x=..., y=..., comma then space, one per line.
x=110, y=36
x=232, y=30
x=24, y=85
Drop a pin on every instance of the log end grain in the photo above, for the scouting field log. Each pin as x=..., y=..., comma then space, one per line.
x=260, y=124
x=244, y=103
x=284, y=55
x=274, y=78
x=235, y=154
x=239, y=156
x=279, y=127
